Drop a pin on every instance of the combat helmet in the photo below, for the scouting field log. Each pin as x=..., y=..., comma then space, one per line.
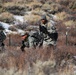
x=43, y=17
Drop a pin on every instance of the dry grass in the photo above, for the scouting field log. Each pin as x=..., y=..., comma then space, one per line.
x=34, y=4
x=69, y=23
x=41, y=61
x=32, y=18
x=12, y=4
x=15, y=8
x=38, y=11
x=62, y=15
x=37, y=61
x=6, y=17
x=13, y=40
x=46, y=6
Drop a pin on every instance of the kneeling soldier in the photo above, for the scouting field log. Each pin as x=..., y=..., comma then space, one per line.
x=25, y=40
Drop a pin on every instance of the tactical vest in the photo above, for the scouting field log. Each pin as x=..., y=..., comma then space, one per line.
x=49, y=31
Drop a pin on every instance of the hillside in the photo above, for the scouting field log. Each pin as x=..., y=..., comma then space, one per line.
x=15, y=17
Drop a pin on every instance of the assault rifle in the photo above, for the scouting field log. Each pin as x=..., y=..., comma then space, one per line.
x=44, y=30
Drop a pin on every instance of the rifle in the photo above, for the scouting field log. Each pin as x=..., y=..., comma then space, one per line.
x=44, y=30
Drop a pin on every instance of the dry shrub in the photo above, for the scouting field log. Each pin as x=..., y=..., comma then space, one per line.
x=69, y=23
x=7, y=17
x=12, y=4
x=46, y=7
x=22, y=25
x=38, y=11
x=72, y=32
x=34, y=5
x=32, y=19
x=35, y=61
x=55, y=7
x=72, y=37
x=1, y=8
x=15, y=8
x=61, y=15
x=61, y=27
x=72, y=4
x=52, y=7
x=64, y=57
x=44, y=67
x=65, y=2
x=12, y=28
x=13, y=40
x=67, y=70
x=72, y=41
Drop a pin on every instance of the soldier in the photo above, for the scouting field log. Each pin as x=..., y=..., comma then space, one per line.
x=2, y=37
x=35, y=39
x=49, y=32
x=25, y=40
x=30, y=40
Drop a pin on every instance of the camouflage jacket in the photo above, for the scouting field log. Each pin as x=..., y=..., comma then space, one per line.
x=48, y=30
x=2, y=36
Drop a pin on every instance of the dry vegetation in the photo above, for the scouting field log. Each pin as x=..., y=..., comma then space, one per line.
x=7, y=17
x=40, y=61
x=33, y=19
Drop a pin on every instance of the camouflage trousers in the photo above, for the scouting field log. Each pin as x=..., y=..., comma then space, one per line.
x=50, y=43
x=32, y=42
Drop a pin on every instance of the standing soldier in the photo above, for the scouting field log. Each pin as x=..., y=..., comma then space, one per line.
x=2, y=37
x=49, y=32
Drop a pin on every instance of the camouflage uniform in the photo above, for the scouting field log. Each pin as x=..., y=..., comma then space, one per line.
x=25, y=40
x=2, y=37
x=49, y=32
x=34, y=39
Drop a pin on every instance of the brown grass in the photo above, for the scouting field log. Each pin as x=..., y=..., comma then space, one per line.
x=62, y=15
x=41, y=61
x=7, y=17
x=37, y=61
x=33, y=19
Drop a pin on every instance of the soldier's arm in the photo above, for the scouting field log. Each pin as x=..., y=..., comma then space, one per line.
x=43, y=29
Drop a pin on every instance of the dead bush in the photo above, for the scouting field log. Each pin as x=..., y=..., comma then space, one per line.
x=12, y=28
x=7, y=17
x=15, y=8
x=13, y=40
x=62, y=16
x=22, y=25
x=33, y=19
